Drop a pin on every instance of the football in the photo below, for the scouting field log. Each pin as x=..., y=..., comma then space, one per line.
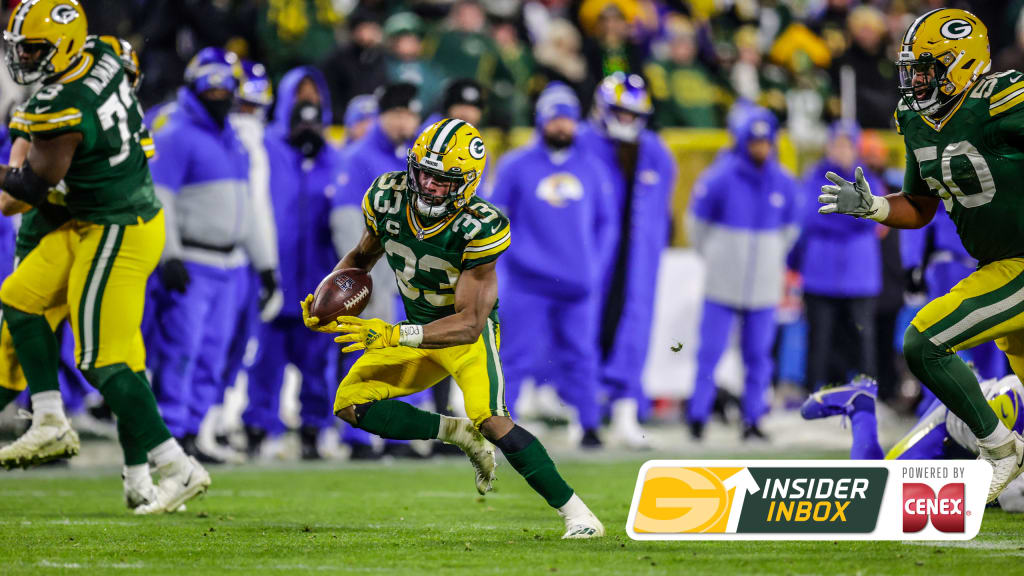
x=341, y=293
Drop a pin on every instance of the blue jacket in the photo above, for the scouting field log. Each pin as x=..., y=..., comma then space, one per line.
x=563, y=219
x=6, y=224
x=201, y=174
x=838, y=256
x=642, y=234
x=937, y=241
x=301, y=191
x=365, y=160
x=743, y=219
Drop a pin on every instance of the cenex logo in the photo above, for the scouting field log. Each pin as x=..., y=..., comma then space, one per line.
x=945, y=510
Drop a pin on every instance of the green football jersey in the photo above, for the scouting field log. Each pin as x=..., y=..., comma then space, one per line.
x=108, y=181
x=974, y=162
x=428, y=260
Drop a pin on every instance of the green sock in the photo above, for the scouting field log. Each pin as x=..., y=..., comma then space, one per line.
x=132, y=449
x=951, y=380
x=131, y=400
x=534, y=465
x=399, y=421
x=36, y=347
x=7, y=396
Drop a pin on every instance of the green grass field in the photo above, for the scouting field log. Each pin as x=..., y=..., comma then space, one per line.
x=412, y=518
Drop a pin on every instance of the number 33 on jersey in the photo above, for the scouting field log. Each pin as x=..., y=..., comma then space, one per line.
x=974, y=163
x=428, y=258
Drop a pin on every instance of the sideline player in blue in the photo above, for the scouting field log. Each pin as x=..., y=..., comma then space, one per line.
x=643, y=180
x=559, y=200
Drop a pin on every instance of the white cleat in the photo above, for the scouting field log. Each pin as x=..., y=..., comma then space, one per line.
x=587, y=526
x=138, y=493
x=180, y=481
x=625, y=427
x=479, y=450
x=50, y=437
x=1007, y=462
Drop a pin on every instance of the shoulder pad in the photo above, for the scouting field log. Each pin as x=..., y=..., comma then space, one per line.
x=1004, y=91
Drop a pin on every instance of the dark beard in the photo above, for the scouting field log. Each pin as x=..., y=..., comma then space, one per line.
x=558, y=142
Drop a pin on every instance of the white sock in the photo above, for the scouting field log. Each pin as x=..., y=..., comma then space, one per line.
x=450, y=429
x=49, y=402
x=137, y=473
x=168, y=451
x=574, y=508
x=1000, y=435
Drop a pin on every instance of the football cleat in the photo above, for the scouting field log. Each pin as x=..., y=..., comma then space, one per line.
x=50, y=437
x=180, y=481
x=479, y=450
x=836, y=400
x=1007, y=462
x=139, y=492
x=584, y=527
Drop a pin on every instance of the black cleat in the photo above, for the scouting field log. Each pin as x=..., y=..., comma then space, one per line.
x=309, y=435
x=401, y=451
x=590, y=441
x=365, y=452
x=696, y=430
x=751, y=433
x=188, y=444
x=254, y=441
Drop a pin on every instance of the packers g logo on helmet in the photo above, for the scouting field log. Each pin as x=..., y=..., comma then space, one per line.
x=450, y=156
x=943, y=53
x=44, y=38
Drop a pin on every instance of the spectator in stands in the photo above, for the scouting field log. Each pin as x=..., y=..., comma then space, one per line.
x=560, y=199
x=559, y=59
x=684, y=91
x=873, y=72
x=516, y=58
x=294, y=32
x=406, y=60
x=743, y=219
x=358, y=67
x=643, y=180
x=609, y=46
x=1012, y=57
x=359, y=118
x=745, y=75
x=464, y=48
x=840, y=261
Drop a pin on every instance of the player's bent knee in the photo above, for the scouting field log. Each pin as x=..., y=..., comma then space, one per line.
x=918, y=349
x=515, y=439
x=348, y=414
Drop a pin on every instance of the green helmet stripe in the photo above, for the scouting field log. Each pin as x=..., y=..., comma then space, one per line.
x=440, y=129
x=445, y=135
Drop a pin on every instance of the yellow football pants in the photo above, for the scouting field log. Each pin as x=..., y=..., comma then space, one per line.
x=385, y=373
x=987, y=305
x=101, y=271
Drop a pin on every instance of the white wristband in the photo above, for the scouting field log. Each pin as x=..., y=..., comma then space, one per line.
x=410, y=335
x=879, y=208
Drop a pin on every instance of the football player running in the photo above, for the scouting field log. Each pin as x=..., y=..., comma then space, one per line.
x=85, y=125
x=442, y=242
x=963, y=127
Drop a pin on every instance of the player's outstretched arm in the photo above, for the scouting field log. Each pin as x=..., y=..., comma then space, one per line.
x=364, y=255
x=48, y=162
x=855, y=199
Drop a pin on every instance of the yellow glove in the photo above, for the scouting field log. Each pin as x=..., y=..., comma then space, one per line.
x=313, y=322
x=369, y=334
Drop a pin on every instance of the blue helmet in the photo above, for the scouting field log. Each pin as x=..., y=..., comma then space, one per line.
x=360, y=108
x=255, y=88
x=213, y=68
x=622, y=93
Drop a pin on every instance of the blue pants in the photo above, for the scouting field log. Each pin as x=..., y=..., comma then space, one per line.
x=73, y=387
x=287, y=341
x=925, y=441
x=553, y=341
x=193, y=332
x=757, y=333
x=247, y=324
x=622, y=369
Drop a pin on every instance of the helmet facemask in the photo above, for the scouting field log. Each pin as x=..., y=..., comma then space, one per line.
x=924, y=85
x=27, y=60
x=453, y=182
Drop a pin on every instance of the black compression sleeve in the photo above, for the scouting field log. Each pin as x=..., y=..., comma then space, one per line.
x=25, y=185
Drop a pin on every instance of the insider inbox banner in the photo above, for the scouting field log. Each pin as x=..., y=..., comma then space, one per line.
x=809, y=500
